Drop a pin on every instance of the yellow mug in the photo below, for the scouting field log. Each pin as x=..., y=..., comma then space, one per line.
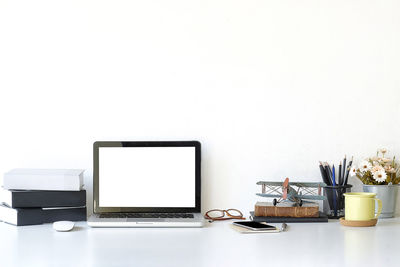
x=361, y=206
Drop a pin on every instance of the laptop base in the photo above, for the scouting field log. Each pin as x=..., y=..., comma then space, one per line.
x=96, y=221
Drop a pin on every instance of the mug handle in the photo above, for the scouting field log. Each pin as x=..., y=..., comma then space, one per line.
x=379, y=208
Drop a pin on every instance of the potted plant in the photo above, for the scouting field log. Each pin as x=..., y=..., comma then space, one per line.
x=380, y=175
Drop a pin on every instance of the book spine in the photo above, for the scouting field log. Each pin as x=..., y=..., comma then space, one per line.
x=35, y=216
x=267, y=211
x=48, y=199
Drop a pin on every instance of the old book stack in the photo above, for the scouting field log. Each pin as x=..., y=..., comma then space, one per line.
x=36, y=196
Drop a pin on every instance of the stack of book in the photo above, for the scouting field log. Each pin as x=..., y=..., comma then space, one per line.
x=36, y=196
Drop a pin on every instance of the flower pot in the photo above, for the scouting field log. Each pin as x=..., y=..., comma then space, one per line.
x=388, y=195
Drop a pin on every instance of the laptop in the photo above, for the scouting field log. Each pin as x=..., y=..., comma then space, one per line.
x=146, y=184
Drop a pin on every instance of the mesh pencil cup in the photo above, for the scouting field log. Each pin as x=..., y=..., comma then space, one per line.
x=334, y=202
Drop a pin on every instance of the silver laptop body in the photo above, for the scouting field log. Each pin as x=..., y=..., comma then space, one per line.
x=146, y=184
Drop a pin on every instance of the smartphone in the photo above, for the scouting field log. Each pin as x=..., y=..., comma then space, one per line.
x=255, y=226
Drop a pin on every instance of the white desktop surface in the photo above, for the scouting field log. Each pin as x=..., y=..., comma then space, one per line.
x=312, y=244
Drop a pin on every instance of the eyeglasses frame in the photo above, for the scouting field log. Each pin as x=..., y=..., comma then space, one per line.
x=222, y=217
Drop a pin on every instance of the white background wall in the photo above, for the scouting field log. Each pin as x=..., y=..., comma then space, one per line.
x=268, y=87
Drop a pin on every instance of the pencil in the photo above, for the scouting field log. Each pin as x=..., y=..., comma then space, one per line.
x=344, y=166
x=348, y=171
x=334, y=191
x=324, y=174
x=333, y=175
x=329, y=172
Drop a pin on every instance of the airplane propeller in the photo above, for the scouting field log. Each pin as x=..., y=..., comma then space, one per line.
x=285, y=187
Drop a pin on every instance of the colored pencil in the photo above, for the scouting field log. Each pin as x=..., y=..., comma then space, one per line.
x=333, y=175
x=324, y=175
x=334, y=191
x=348, y=171
x=329, y=172
x=344, y=166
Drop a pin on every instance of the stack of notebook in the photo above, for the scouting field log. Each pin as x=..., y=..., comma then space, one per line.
x=36, y=196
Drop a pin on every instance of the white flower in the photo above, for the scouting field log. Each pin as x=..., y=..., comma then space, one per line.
x=386, y=160
x=383, y=150
x=365, y=166
x=353, y=171
x=377, y=168
x=380, y=176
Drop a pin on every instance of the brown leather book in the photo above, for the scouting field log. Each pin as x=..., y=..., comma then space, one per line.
x=285, y=209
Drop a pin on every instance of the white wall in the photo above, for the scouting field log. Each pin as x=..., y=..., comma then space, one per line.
x=268, y=87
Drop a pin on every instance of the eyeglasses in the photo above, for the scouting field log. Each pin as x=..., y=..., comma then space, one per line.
x=219, y=215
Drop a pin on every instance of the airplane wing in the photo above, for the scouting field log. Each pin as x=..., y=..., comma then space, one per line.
x=300, y=184
x=270, y=183
x=315, y=197
x=269, y=195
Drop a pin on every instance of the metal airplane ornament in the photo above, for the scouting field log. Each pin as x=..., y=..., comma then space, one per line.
x=291, y=191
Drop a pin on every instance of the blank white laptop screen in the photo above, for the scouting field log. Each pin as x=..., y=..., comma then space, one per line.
x=147, y=177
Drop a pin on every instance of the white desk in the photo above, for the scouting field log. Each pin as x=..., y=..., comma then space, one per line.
x=314, y=244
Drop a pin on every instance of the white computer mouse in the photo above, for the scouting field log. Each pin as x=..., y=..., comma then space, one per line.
x=63, y=226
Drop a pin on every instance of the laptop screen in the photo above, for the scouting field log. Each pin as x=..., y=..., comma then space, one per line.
x=146, y=177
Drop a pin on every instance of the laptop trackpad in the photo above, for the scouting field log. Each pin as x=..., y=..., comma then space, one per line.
x=145, y=220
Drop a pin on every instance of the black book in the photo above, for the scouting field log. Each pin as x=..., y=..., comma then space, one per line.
x=322, y=218
x=32, y=216
x=42, y=199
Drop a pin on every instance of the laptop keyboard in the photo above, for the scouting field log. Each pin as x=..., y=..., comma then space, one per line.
x=146, y=215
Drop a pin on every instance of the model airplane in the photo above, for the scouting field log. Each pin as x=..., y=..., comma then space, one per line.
x=306, y=191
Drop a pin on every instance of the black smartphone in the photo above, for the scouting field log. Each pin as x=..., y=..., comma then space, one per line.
x=255, y=226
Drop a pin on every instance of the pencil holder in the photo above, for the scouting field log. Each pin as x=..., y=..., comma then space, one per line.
x=333, y=205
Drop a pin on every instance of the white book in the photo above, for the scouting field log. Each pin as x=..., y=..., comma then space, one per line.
x=44, y=179
x=8, y=215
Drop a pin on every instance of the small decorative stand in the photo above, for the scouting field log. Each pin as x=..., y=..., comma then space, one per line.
x=358, y=223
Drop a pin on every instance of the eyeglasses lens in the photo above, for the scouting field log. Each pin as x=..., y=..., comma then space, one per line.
x=215, y=214
x=235, y=213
